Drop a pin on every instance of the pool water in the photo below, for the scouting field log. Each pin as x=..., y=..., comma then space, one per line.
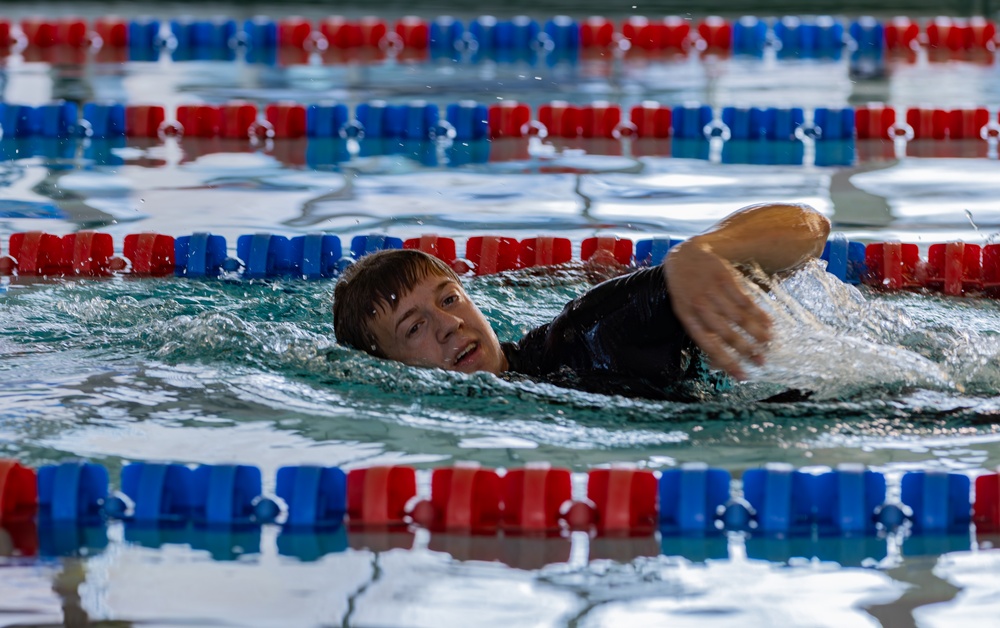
x=121, y=370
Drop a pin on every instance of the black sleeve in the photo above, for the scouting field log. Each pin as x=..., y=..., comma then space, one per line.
x=620, y=337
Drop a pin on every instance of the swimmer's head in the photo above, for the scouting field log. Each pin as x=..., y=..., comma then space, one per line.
x=408, y=306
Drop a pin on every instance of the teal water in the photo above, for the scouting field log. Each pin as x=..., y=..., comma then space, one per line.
x=226, y=370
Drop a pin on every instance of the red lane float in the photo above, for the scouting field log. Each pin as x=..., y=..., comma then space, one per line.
x=88, y=253
x=981, y=33
x=144, y=120
x=231, y=120
x=716, y=33
x=901, y=34
x=986, y=510
x=600, y=119
x=956, y=34
x=294, y=31
x=493, y=254
x=596, y=32
x=508, y=119
x=967, y=124
x=441, y=248
x=561, y=119
x=288, y=119
x=623, y=501
x=892, y=265
x=464, y=498
x=545, y=251
x=37, y=253
x=342, y=33
x=651, y=119
x=112, y=30
x=606, y=250
x=413, y=32
x=534, y=498
x=199, y=120
x=378, y=496
x=85, y=254
x=150, y=254
x=46, y=33
x=873, y=121
x=954, y=268
x=18, y=491
x=991, y=270
x=940, y=124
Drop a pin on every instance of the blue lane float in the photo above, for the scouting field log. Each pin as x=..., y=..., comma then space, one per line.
x=261, y=32
x=200, y=255
x=785, y=501
x=840, y=515
x=326, y=120
x=265, y=255
x=203, y=34
x=413, y=121
x=57, y=120
x=833, y=124
x=227, y=495
x=821, y=37
x=105, y=120
x=939, y=501
x=689, y=122
x=143, y=39
x=315, y=496
x=844, y=259
x=317, y=256
x=444, y=33
x=756, y=123
x=691, y=499
x=72, y=493
x=160, y=494
x=749, y=36
x=469, y=119
x=364, y=244
x=563, y=32
x=519, y=33
x=650, y=252
x=18, y=121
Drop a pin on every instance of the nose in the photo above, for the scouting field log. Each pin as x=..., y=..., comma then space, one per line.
x=447, y=324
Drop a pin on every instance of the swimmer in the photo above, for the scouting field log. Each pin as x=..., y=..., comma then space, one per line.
x=638, y=334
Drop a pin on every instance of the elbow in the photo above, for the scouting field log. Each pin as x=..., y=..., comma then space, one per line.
x=818, y=228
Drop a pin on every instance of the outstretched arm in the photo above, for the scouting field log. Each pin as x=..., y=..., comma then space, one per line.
x=704, y=285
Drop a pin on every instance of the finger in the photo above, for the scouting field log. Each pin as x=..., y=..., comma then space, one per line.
x=752, y=320
x=732, y=337
x=714, y=349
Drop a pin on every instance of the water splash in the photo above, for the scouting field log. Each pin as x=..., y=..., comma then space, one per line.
x=968, y=216
x=830, y=340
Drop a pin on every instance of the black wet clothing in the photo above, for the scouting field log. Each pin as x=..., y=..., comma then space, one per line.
x=620, y=338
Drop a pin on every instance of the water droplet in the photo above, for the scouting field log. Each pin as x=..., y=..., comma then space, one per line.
x=968, y=214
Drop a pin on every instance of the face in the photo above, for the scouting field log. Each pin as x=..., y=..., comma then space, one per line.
x=436, y=325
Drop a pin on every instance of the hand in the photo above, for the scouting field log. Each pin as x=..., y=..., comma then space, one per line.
x=707, y=297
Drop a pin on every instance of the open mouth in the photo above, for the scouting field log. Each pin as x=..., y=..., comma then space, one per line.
x=466, y=352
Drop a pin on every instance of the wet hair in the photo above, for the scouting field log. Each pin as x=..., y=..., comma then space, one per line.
x=378, y=281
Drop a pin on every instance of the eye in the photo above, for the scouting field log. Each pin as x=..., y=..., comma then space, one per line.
x=451, y=298
x=413, y=330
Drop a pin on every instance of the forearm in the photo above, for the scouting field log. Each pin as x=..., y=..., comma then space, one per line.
x=775, y=236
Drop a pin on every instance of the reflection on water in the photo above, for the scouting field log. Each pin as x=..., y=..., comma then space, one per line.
x=211, y=372
x=124, y=370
